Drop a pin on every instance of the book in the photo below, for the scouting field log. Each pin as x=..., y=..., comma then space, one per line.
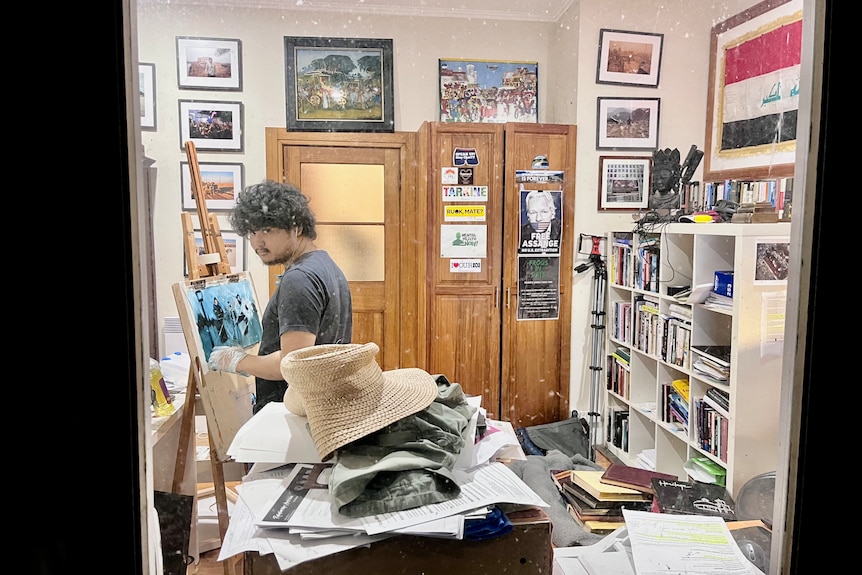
x=633, y=477
x=719, y=354
x=721, y=397
x=590, y=481
x=693, y=498
x=568, y=487
x=594, y=526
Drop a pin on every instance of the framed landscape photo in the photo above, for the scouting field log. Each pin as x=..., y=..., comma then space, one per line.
x=490, y=91
x=629, y=58
x=211, y=126
x=624, y=182
x=209, y=63
x=627, y=123
x=339, y=84
x=753, y=93
x=147, y=85
x=221, y=181
x=234, y=247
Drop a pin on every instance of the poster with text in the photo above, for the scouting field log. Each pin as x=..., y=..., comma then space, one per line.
x=538, y=288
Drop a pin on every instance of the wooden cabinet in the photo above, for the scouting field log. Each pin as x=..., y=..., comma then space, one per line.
x=520, y=367
x=646, y=323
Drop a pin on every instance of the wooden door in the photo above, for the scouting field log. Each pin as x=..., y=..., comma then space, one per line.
x=463, y=313
x=536, y=352
x=362, y=193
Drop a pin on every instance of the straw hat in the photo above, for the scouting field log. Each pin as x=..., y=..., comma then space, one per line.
x=344, y=394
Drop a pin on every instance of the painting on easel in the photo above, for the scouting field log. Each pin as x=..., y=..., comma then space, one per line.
x=225, y=312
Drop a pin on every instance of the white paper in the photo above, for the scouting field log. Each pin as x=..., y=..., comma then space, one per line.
x=274, y=435
x=663, y=543
x=486, y=485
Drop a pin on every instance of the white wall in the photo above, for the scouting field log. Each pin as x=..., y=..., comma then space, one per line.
x=567, y=55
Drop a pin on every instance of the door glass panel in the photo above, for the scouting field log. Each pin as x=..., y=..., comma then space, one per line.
x=344, y=192
x=358, y=250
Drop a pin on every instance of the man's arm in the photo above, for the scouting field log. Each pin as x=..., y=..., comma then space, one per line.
x=269, y=366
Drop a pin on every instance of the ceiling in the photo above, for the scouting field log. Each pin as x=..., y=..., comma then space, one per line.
x=519, y=10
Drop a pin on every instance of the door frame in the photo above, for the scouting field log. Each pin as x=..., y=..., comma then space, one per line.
x=411, y=316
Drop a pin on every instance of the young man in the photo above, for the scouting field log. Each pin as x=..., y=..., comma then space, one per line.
x=312, y=303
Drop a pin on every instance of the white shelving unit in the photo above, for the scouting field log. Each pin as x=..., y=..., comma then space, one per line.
x=689, y=255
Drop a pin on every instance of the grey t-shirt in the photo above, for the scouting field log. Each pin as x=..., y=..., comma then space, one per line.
x=313, y=296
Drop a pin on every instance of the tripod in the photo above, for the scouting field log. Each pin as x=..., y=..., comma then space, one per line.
x=600, y=280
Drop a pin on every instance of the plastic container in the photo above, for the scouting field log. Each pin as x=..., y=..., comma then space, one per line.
x=175, y=369
x=161, y=399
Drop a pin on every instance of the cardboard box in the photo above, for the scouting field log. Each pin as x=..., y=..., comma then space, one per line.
x=723, y=284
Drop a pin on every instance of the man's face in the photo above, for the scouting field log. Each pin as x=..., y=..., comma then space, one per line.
x=274, y=245
x=540, y=214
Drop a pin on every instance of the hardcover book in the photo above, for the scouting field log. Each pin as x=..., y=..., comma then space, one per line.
x=590, y=481
x=594, y=526
x=572, y=492
x=693, y=498
x=633, y=477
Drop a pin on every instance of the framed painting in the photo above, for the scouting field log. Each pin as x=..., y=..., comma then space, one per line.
x=490, y=91
x=624, y=182
x=629, y=58
x=234, y=246
x=221, y=181
x=627, y=123
x=209, y=63
x=753, y=93
x=339, y=84
x=212, y=126
x=147, y=86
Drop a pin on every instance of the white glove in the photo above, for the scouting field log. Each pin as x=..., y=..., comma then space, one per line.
x=224, y=358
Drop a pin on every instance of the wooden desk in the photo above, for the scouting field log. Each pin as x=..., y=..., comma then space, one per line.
x=526, y=549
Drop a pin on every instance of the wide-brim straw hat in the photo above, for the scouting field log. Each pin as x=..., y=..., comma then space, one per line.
x=345, y=395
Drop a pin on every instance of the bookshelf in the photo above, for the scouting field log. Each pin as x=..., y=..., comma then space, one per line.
x=650, y=333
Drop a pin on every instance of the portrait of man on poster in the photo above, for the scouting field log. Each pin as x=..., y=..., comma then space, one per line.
x=541, y=226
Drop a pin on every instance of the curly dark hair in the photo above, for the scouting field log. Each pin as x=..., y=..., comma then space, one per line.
x=270, y=204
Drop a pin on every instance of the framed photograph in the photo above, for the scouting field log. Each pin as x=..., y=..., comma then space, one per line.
x=627, y=123
x=629, y=58
x=234, y=246
x=147, y=85
x=221, y=183
x=624, y=182
x=209, y=63
x=753, y=93
x=772, y=261
x=339, y=84
x=490, y=91
x=212, y=126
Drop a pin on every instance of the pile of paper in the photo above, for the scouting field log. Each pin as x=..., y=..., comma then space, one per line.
x=284, y=505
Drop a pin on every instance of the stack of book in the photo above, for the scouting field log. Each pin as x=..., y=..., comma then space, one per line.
x=595, y=506
x=718, y=400
x=718, y=302
x=712, y=360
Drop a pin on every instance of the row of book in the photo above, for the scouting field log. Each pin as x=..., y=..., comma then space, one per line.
x=596, y=498
x=778, y=192
x=617, y=432
x=619, y=372
x=665, y=335
x=675, y=404
x=712, y=429
x=647, y=265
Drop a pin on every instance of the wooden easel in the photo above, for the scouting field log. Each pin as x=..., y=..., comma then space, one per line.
x=211, y=263
x=214, y=260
